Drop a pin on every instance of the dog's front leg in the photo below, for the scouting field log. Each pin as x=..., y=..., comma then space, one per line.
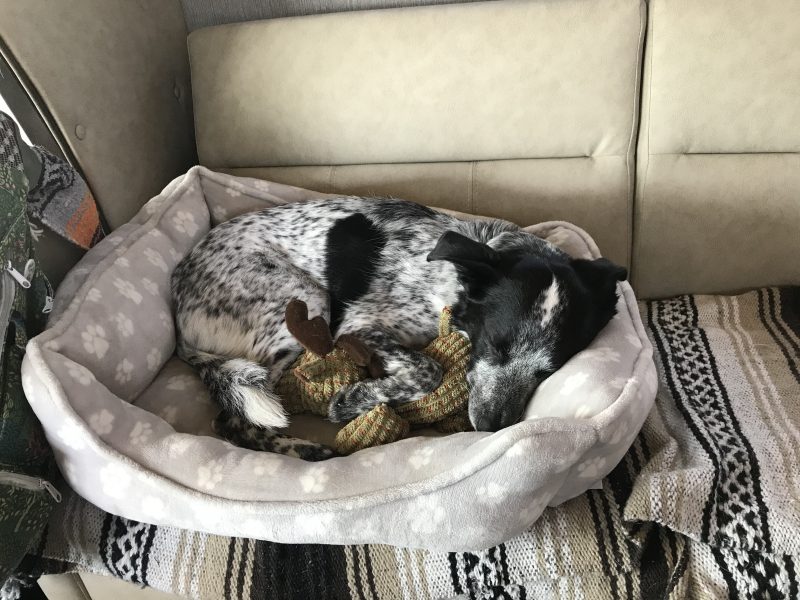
x=409, y=375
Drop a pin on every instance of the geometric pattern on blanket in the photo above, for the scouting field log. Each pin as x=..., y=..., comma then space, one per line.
x=727, y=430
x=695, y=510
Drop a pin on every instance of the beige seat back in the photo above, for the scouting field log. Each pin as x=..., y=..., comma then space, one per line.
x=526, y=110
x=718, y=198
x=521, y=110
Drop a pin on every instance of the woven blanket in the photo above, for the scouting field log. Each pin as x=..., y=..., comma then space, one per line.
x=58, y=197
x=61, y=200
x=704, y=505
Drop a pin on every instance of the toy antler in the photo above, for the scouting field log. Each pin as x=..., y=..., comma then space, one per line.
x=361, y=355
x=315, y=336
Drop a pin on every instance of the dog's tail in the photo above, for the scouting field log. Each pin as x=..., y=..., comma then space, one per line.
x=239, y=386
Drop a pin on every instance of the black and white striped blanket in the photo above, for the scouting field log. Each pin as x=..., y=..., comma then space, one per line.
x=704, y=505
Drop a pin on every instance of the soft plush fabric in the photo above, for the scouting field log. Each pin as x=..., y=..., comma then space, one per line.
x=700, y=507
x=130, y=424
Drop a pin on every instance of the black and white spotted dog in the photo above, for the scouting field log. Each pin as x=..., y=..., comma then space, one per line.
x=383, y=270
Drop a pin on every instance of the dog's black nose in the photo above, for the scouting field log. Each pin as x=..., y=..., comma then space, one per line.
x=495, y=420
x=485, y=425
x=489, y=421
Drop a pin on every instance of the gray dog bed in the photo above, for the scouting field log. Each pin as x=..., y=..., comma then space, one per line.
x=130, y=423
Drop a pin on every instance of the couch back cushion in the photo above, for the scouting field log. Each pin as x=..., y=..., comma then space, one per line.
x=718, y=193
x=520, y=110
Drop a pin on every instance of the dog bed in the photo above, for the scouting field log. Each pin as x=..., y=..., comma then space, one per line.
x=131, y=424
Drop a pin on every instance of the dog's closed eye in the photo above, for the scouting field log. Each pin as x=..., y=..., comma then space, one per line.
x=499, y=350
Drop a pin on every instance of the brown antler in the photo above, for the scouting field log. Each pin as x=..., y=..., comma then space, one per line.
x=361, y=355
x=314, y=335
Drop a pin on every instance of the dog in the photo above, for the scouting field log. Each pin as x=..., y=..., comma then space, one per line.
x=383, y=270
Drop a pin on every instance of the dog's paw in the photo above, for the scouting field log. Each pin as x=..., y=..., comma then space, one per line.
x=415, y=373
x=352, y=401
x=429, y=376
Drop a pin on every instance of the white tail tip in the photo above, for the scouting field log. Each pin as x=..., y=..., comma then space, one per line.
x=262, y=408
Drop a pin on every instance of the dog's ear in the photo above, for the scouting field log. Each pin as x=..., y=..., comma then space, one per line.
x=600, y=275
x=471, y=255
x=600, y=278
x=599, y=270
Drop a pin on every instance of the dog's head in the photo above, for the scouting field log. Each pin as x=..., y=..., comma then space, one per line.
x=527, y=308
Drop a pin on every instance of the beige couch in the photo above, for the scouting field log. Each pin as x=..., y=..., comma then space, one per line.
x=669, y=130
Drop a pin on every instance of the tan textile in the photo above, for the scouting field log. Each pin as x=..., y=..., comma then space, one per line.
x=702, y=506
